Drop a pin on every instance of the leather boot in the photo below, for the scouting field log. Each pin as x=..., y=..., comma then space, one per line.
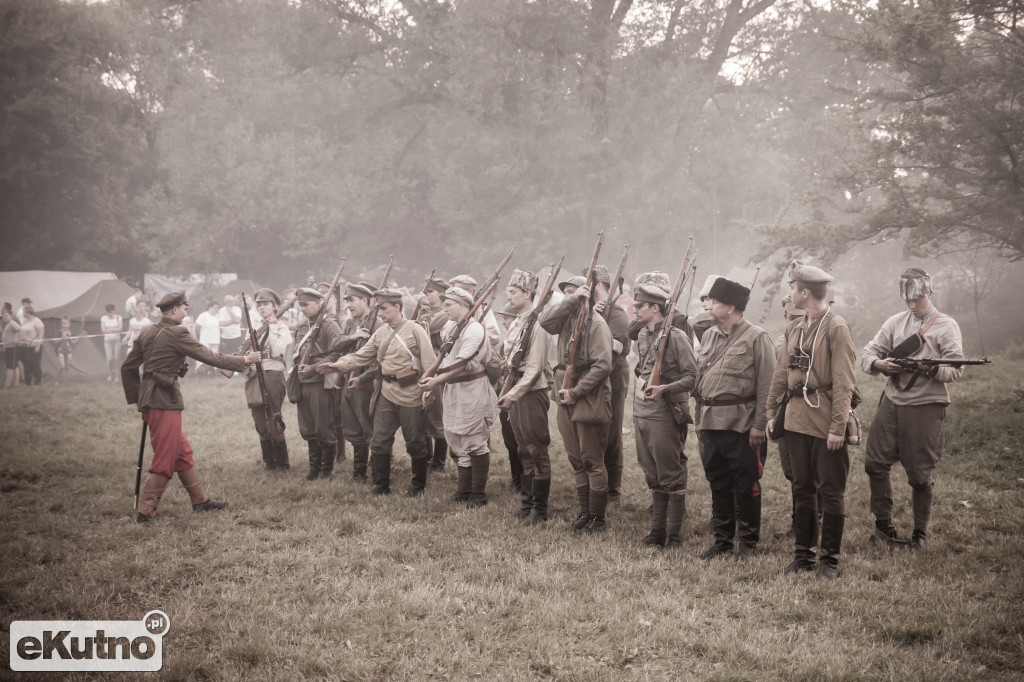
x=921, y=500
x=723, y=520
x=885, y=533
x=480, y=465
x=676, y=514
x=917, y=540
x=465, y=485
x=419, y=477
x=804, y=542
x=151, y=494
x=269, y=460
x=659, y=514
x=831, y=542
x=748, y=512
x=200, y=502
x=525, y=496
x=327, y=456
x=440, y=450
x=380, y=467
x=314, y=460
x=541, y=491
x=789, y=532
x=583, y=493
x=598, y=506
x=340, y=455
x=281, y=455
x=360, y=458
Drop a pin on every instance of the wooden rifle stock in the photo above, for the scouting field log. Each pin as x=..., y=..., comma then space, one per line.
x=522, y=345
x=616, y=284
x=268, y=411
x=315, y=331
x=582, y=316
x=661, y=341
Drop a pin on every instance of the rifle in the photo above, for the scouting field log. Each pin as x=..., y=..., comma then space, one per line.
x=616, y=284
x=492, y=281
x=314, y=331
x=268, y=412
x=449, y=343
x=138, y=469
x=281, y=310
x=371, y=320
x=582, y=315
x=426, y=288
x=522, y=345
x=661, y=341
x=909, y=364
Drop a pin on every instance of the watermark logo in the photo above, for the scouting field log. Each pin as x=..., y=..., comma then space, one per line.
x=89, y=645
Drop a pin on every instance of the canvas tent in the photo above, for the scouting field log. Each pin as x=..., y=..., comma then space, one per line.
x=81, y=296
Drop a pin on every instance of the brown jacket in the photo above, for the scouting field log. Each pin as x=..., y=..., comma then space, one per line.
x=593, y=390
x=171, y=344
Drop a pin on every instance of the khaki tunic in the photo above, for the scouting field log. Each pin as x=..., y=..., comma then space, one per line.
x=170, y=350
x=593, y=354
x=835, y=360
x=535, y=371
x=324, y=350
x=745, y=371
x=417, y=354
x=469, y=406
x=678, y=373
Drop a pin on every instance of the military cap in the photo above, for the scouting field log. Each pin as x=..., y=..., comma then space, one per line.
x=730, y=293
x=601, y=274
x=172, y=299
x=577, y=281
x=508, y=310
x=523, y=279
x=388, y=295
x=655, y=278
x=706, y=289
x=915, y=283
x=808, y=274
x=307, y=294
x=648, y=293
x=439, y=285
x=360, y=290
x=462, y=281
x=459, y=295
x=266, y=296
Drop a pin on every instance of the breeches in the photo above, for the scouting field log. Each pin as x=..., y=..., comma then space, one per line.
x=314, y=411
x=275, y=392
x=585, y=445
x=816, y=470
x=731, y=465
x=171, y=450
x=355, y=415
x=909, y=434
x=529, y=418
x=464, y=445
x=659, y=451
x=388, y=418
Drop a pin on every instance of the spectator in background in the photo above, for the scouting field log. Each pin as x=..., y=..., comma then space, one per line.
x=208, y=331
x=138, y=322
x=133, y=300
x=64, y=343
x=11, y=337
x=112, y=325
x=230, y=326
x=32, y=333
x=20, y=315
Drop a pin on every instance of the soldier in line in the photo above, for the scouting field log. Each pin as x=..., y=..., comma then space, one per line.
x=907, y=427
x=273, y=337
x=487, y=320
x=355, y=400
x=433, y=318
x=506, y=316
x=316, y=423
x=661, y=413
x=161, y=350
x=618, y=323
x=469, y=400
x=585, y=410
x=333, y=383
x=789, y=314
x=403, y=351
x=816, y=370
x=734, y=373
x=528, y=400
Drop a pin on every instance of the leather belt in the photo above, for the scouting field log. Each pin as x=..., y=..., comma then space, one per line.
x=467, y=377
x=720, y=403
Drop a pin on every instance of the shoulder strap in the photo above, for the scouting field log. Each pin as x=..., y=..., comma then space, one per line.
x=149, y=350
x=735, y=337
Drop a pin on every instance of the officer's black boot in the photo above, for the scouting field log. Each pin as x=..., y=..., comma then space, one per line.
x=440, y=449
x=419, y=477
x=674, y=521
x=598, y=505
x=480, y=466
x=327, y=456
x=360, y=459
x=465, y=484
x=804, y=542
x=831, y=542
x=525, y=496
x=659, y=516
x=380, y=471
x=748, y=509
x=269, y=461
x=922, y=503
x=314, y=460
x=340, y=455
x=723, y=520
x=541, y=490
x=583, y=493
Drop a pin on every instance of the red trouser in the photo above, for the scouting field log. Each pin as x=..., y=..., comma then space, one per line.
x=171, y=451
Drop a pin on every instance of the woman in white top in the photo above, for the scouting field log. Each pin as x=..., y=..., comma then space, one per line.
x=138, y=322
x=207, y=329
x=112, y=325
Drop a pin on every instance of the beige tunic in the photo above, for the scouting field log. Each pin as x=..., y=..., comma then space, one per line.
x=744, y=371
x=535, y=370
x=835, y=360
x=678, y=373
x=469, y=406
x=942, y=340
x=410, y=349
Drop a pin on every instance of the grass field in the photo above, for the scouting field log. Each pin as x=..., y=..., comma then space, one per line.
x=320, y=580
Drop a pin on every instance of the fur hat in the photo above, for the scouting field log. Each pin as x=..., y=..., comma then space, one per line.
x=648, y=293
x=655, y=278
x=915, y=283
x=706, y=289
x=523, y=279
x=601, y=274
x=730, y=293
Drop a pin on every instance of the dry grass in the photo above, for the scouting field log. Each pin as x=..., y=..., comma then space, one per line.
x=322, y=581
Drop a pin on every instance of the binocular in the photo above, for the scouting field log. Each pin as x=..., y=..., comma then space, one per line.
x=799, y=362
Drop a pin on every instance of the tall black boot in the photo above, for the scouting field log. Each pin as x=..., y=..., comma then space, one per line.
x=525, y=497
x=281, y=455
x=360, y=459
x=380, y=470
x=598, y=506
x=440, y=449
x=723, y=519
x=804, y=542
x=327, y=455
x=340, y=455
x=674, y=522
x=465, y=484
x=541, y=491
x=314, y=460
x=831, y=542
x=583, y=493
x=659, y=516
x=480, y=465
x=748, y=508
x=419, y=477
x=921, y=498
x=269, y=461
